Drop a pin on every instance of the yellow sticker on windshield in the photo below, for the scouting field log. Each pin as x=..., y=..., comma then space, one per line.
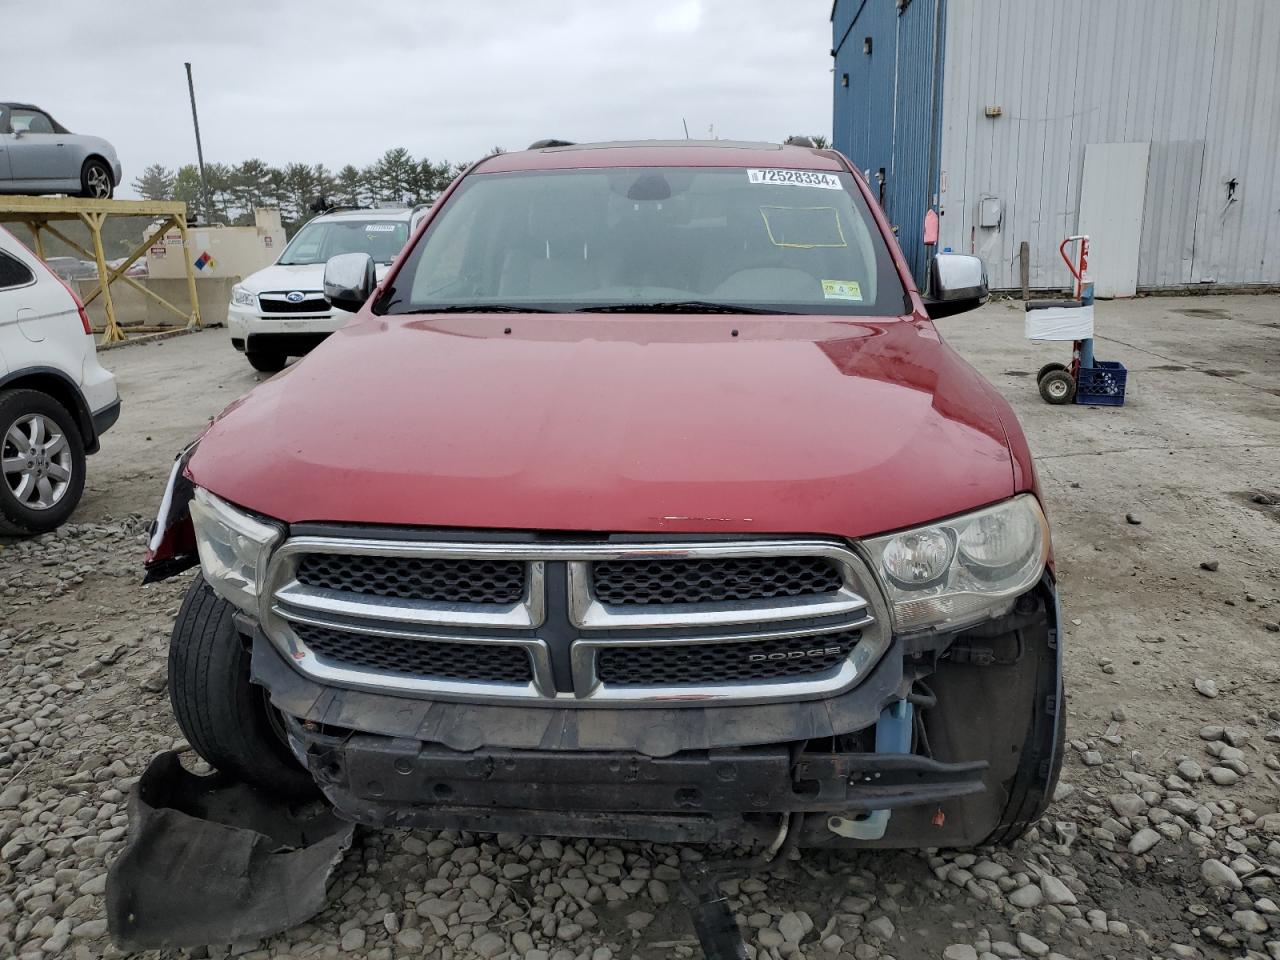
x=841, y=290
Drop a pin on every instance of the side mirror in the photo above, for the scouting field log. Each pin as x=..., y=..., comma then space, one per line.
x=957, y=282
x=349, y=280
x=19, y=134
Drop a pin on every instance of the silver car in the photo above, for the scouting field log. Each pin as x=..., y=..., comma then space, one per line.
x=40, y=155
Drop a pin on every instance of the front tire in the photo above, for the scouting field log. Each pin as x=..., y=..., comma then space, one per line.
x=225, y=717
x=95, y=180
x=266, y=361
x=42, y=462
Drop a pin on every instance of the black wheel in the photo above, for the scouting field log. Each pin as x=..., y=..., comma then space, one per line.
x=95, y=180
x=42, y=462
x=1049, y=368
x=227, y=719
x=1058, y=386
x=266, y=361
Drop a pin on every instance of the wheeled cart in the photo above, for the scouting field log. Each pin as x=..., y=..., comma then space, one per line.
x=1085, y=380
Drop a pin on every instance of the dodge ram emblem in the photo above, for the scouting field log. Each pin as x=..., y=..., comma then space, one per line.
x=295, y=296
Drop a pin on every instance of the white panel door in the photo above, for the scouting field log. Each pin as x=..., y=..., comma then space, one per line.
x=1111, y=200
x=1169, y=219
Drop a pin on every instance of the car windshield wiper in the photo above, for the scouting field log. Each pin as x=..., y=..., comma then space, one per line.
x=481, y=308
x=676, y=306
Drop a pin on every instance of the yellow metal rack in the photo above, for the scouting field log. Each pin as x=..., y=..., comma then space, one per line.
x=40, y=213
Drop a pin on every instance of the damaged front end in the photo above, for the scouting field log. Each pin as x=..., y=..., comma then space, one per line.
x=951, y=740
x=171, y=544
x=891, y=692
x=904, y=690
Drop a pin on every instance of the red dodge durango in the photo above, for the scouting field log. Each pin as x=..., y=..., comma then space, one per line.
x=640, y=499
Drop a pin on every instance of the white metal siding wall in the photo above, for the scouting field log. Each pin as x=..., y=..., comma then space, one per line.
x=1198, y=79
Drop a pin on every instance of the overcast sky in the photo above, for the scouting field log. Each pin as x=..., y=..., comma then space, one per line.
x=331, y=82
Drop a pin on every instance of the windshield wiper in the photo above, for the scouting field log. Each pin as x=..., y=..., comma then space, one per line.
x=676, y=306
x=482, y=308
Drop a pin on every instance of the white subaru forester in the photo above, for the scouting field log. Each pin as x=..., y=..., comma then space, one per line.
x=55, y=398
x=281, y=311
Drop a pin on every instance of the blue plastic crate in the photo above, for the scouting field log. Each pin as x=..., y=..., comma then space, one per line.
x=1102, y=385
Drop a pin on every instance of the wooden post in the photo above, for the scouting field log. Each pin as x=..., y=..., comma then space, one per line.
x=194, y=322
x=34, y=227
x=1024, y=269
x=94, y=221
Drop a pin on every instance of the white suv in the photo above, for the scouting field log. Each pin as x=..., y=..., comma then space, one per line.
x=55, y=398
x=281, y=312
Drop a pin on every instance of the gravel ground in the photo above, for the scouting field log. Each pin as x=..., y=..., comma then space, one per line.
x=1164, y=841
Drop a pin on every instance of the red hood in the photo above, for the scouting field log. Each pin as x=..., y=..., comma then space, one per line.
x=617, y=423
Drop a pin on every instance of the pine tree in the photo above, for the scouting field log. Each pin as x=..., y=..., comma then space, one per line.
x=186, y=187
x=326, y=182
x=349, y=188
x=300, y=191
x=251, y=187
x=393, y=176
x=218, y=178
x=155, y=183
x=429, y=180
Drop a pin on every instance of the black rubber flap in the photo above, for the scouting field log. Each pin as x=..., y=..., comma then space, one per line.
x=212, y=860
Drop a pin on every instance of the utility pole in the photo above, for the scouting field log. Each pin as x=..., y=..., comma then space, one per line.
x=195, y=121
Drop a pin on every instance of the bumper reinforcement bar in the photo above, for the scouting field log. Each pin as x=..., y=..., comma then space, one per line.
x=408, y=775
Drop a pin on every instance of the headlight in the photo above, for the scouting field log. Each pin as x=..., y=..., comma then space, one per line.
x=957, y=571
x=242, y=297
x=234, y=548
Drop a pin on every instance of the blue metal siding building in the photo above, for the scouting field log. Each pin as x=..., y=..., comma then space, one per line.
x=887, y=106
x=985, y=111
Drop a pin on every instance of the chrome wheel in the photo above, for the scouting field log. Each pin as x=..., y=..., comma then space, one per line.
x=35, y=460
x=98, y=180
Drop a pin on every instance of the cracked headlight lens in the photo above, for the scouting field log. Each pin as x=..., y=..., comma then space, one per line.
x=957, y=571
x=234, y=548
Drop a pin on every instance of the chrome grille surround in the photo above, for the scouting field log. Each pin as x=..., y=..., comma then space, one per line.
x=593, y=627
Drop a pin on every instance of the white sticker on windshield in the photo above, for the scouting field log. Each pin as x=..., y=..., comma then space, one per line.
x=841, y=290
x=379, y=227
x=795, y=178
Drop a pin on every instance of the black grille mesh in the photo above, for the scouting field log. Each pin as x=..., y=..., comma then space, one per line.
x=438, y=659
x=702, y=663
x=311, y=305
x=416, y=578
x=636, y=582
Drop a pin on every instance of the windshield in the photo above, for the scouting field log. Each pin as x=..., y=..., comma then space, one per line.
x=689, y=238
x=320, y=240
